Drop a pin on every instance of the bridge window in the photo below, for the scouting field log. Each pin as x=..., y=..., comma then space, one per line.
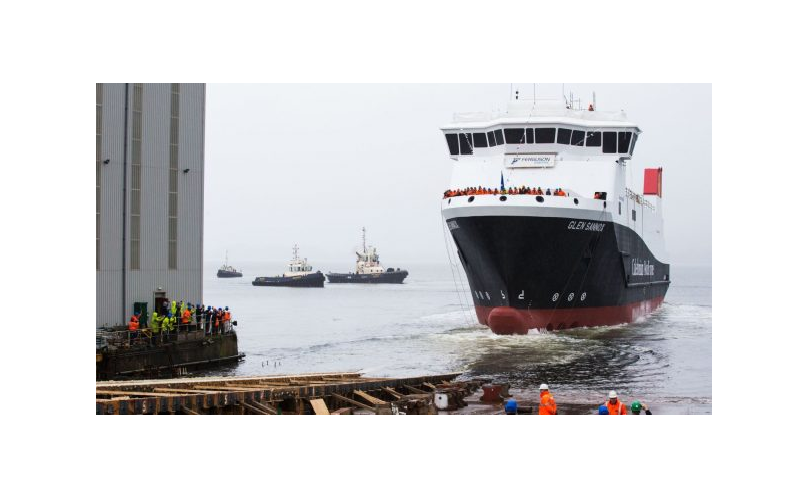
x=491, y=139
x=632, y=147
x=480, y=140
x=545, y=135
x=514, y=135
x=564, y=136
x=530, y=135
x=610, y=142
x=451, y=140
x=593, y=138
x=624, y=138
x=499, y=137
x=578, y=138
x=466, y=139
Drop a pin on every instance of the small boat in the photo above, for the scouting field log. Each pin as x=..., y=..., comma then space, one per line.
x=227, y=271
x=299, y=274
x=368, y=269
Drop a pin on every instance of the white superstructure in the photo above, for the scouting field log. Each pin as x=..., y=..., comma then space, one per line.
x=368, y=261
x=297, y=266
x=549, y=144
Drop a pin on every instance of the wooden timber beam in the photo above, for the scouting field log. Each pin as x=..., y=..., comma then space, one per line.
x=430, y=385
x=186, y=390
x=233, y=388
x=393, y=393
x=187, y=410
x=351, y=401
x=319, y=407
x=369, y=398
x=254, y=409
x=133, y=393
x=414, y=389
x=265, y=407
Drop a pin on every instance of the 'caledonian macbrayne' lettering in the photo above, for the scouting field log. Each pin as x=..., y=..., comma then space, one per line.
x=586, y=226
x=642, y=268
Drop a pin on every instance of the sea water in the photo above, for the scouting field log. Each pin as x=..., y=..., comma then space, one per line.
x=427, y=326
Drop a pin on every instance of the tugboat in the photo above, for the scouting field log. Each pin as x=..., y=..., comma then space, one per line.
x=368, y=269
x=227, y=271
x=299, y=275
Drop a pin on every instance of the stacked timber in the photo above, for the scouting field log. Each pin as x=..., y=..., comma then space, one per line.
x=315, y=393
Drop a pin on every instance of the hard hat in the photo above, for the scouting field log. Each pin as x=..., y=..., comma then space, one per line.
x=613, y=395
x=603, y=409
x=544, y=386
x=636, y=406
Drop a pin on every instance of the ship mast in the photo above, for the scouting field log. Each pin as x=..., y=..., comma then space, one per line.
x=364, y=239
x=296, y=250
x=225, y=257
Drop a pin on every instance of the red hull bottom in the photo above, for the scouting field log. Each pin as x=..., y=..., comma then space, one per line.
x=505, y=320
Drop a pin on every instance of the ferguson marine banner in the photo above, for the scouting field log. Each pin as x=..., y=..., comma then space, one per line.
x=529, y=160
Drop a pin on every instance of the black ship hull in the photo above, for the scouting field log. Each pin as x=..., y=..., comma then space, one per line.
x=386, y=277
x=529, y=272
x=314, y=280
x=228, y=274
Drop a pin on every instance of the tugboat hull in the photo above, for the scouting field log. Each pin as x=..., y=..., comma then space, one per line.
x=387, y=277
x=315, y=280
x=228, y=274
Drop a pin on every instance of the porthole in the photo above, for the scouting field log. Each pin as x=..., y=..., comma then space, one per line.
x=570, y=296
x=503, y=198
x=576, y=201
x=583, y=296
x=555, y=297
x=471, y=198
x=539, y=199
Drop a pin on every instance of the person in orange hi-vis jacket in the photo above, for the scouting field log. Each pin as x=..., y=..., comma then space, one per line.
x=614, y=405
x=547, y=405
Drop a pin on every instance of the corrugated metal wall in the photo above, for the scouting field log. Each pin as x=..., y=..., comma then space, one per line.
x=186, y=281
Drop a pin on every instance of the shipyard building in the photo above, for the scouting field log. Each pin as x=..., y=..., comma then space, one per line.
x=150, y=169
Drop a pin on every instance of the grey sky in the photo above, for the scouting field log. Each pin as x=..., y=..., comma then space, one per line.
x=311, y=164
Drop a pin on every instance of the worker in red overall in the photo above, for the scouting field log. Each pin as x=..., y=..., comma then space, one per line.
x=614, y=405
x=547, y=405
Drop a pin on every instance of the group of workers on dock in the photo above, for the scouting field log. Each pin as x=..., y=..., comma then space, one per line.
x=524, y=190
x=548, y=406
x=179, y=316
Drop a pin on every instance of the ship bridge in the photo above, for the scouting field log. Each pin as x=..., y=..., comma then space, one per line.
x=541, y=128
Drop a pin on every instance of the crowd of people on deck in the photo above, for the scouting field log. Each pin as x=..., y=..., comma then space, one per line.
x=180, y=316
x=524, y=190
x=547, y=406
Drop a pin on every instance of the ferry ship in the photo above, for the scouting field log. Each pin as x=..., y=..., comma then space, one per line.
x=592, y=255
x=368, y=269
x=299, y=274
